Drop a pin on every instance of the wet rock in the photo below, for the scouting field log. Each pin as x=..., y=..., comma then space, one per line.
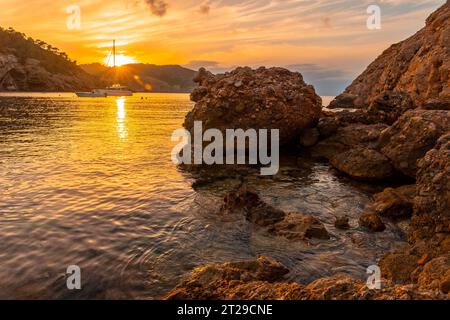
x=372, y=222
x=342, y=223
x=263, y=279
x=299, y=226
x=393, y=203
x=363, y=163
x=254, y=209
x=272, y=98
x=251, y=279
x=412, y=136
x=432, y=202
x=398, y=267
x=418, y=65
x=309, y=137
x=348, y=137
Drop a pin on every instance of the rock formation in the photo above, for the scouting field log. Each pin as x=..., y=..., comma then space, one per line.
x=419, y=66
x=272, y=98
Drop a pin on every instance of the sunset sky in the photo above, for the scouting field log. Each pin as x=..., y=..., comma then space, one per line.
x=327, y=41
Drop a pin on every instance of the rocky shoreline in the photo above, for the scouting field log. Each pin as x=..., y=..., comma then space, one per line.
x=400, y=133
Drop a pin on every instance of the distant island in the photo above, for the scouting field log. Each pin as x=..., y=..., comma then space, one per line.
x=27, y=64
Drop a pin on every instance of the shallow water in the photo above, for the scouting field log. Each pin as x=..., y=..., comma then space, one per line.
x=90, y=182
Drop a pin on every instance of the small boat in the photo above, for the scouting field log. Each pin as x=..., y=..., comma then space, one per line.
x=92, y=94
x=116, y=90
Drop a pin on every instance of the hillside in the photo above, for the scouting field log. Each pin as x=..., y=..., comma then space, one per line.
x=145, y=77
x=33, y=65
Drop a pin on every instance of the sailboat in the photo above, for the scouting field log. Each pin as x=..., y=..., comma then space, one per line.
x=116, y=90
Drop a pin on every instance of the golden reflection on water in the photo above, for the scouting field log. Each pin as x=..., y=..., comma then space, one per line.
x=122, y=130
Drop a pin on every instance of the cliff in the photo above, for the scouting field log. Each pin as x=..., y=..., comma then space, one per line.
x=419, y=65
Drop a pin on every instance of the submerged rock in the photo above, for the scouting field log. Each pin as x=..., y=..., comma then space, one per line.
x=372, y=222
x=272, y=98
x=342, y=223
x=409, y=139
x=254, y=209
x=299, y=226
x=419, y=66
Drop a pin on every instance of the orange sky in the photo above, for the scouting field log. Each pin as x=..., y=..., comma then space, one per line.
x=325, y=38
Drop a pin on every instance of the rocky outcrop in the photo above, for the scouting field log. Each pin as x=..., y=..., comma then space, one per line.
x=263, y=279
x=409, y=139
x=432, y=202
x=272, y=98
x=348, y=137
x=363, y=164
x=419, y=66
x=393, y=202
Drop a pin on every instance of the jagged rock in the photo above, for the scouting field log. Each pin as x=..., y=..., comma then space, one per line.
x=262, y=279
x=344, y=101
x=436, y=274
x=398, y=267
x=299, y=226
x=432, y=202
x=272, y=98
x=419, y=65
x=251, y=279
x=348, y=137
x=409, y=139
x=363, y=163
x=309, y=137
x=393, y=203
x=389, y=106
x=342, y=223
x=372, y=222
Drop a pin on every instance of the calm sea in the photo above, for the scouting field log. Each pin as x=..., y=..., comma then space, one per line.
x=90, y=182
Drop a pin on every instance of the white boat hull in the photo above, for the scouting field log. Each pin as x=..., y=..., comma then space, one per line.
x=90, y=95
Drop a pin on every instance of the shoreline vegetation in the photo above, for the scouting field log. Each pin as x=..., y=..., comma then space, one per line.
x=400, y=131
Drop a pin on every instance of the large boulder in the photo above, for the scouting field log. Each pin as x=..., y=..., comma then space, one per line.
x=419, y=66
x=363, y=164
x=411, y=136
x=272, y=98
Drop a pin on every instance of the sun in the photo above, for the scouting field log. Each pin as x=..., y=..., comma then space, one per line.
x=120, y=60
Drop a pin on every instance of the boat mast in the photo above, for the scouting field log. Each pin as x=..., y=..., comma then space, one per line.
x=114, y=53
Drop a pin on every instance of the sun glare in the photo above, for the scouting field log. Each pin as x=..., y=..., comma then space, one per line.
x=120, y=60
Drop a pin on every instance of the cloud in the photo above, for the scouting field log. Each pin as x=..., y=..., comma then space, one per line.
x=197, y=64
x=327, y=81
x=205, y=7
x=157, y=7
